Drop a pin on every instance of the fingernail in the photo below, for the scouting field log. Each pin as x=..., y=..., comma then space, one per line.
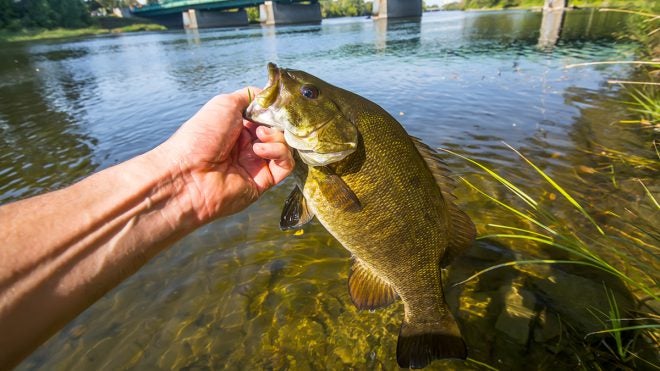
x=263, y=130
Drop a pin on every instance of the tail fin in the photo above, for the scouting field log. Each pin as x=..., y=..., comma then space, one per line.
x=421, y=343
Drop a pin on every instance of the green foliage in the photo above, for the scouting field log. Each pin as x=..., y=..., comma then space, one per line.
x=48, y=14
x=253, y=14
x=139, y=27
x=500, y=4
x=344, y=8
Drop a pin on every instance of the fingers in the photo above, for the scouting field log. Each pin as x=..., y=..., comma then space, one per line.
x=243, y=97
x=274, y=148
x=272, y=151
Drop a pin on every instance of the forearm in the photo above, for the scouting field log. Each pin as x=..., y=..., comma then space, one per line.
x=64, y=250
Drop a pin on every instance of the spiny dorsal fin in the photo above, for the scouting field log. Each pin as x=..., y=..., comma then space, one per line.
x=437, y=166
x=367, y=290
x=337, y=192
x=295, y=213
x=462, y=231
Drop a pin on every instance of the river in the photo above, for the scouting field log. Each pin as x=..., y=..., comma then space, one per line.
x=241, y=294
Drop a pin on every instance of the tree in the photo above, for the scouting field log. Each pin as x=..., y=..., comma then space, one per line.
x=344, y=8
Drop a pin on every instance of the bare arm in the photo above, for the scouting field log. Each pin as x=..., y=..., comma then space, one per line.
x=63, y=250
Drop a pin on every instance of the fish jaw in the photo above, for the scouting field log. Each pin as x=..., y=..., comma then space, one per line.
x=321, y=142
x=263, y=110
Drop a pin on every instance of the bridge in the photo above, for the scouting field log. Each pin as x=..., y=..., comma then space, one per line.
x=231, y=13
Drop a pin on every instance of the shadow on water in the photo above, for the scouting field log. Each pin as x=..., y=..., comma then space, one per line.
x=44, y=148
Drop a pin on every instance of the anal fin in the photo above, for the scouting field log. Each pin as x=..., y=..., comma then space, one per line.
x=367, y=290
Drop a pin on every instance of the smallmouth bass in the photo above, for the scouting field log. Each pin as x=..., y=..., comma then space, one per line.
x=382, y=194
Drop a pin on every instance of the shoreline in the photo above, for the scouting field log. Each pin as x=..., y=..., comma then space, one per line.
x=62, y=33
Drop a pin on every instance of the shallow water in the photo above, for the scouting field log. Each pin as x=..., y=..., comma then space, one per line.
x=241, y=294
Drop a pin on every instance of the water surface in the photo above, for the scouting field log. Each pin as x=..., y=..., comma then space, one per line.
x=239, y=293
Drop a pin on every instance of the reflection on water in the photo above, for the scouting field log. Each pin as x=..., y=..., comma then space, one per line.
x=43, y=147
x=239, y=293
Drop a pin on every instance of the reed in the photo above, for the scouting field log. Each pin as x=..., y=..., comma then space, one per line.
x=556, y=233
x=546, y=229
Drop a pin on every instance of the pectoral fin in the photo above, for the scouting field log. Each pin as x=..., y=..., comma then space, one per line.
x=367, y=290
x=337, y=192
x=295, y=213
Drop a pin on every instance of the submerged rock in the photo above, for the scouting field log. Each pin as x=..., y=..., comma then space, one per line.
x=518, y=313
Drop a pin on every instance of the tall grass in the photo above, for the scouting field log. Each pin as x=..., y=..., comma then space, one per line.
x=558, y=234
x=548, y=230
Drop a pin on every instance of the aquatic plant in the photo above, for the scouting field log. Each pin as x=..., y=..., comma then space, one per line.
x=581, y=247
x=613, y=324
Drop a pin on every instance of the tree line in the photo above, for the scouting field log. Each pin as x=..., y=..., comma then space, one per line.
x=16, y=15
x=345, y=8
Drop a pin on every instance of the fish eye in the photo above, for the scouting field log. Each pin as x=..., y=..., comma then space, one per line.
x=309, y=91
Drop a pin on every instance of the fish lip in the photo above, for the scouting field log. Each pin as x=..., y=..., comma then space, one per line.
x=274, y=74
x=254, y=121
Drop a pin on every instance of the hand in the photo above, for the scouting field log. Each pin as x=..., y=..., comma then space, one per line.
x=225, y=161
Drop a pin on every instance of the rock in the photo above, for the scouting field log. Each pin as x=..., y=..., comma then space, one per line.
x=548, y=327
x=576, y=298
x=518, y=313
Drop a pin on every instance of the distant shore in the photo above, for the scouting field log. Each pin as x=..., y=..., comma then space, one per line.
x=61, y=33
x=114, y=25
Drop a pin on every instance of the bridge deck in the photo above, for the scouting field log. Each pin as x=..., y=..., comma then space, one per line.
x=175, y=6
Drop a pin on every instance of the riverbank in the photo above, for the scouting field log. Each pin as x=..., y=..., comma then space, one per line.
x=62, y=33
x=538, y=4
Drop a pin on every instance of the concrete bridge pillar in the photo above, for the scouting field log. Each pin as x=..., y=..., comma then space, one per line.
x=396, y=8
x=196, y=18
x=554, y=4
x=551, y=25
x=271, y=12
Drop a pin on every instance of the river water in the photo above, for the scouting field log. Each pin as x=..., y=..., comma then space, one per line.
x=240, y=294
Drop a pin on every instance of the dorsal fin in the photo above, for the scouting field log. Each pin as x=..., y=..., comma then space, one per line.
x=367, y=290
x=462, y=231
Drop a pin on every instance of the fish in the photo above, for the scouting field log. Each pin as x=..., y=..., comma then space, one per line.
x=382, y=194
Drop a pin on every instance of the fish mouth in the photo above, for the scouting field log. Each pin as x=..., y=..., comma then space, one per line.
x=262, y=102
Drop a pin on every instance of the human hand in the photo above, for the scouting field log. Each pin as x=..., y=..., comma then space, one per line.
x=225, y=162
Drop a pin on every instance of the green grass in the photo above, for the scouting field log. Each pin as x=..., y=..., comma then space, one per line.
x=613, y=322
x=61, y=33
x=546, y=229
x=139, y=27
x=557, y=233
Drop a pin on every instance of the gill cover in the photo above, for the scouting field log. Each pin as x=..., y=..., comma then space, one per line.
x=303, y=107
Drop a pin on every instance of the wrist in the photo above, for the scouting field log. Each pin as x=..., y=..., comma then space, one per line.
x=170, y=191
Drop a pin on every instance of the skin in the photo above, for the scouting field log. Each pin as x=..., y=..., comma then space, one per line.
x=63, y=250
